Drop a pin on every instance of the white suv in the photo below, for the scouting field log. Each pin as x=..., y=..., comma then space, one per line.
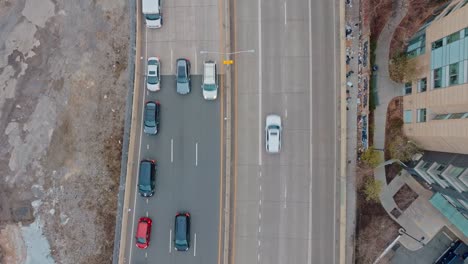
x=273, y=133
x=209, y=85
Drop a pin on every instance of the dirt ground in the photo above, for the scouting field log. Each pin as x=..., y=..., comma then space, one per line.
x=375, y=229
x=63, y=77
x=418, y=12
x=394, y=113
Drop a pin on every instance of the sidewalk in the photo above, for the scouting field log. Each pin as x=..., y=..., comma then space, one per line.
x=353, y=43
x=386, y=88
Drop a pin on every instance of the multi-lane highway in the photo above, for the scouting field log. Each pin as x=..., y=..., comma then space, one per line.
x=187, y=148
x=285, y=204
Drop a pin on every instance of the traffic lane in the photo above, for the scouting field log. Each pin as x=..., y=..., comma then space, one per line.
x=324, y=121
x=186, y=120
x=188, y=29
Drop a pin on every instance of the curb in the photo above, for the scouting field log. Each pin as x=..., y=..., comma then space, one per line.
x=128, y=154
x=343, y=140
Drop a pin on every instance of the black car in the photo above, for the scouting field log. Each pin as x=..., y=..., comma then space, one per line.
x=147, y=178
x=183, y=76
x=182, y=231
x=151, y=122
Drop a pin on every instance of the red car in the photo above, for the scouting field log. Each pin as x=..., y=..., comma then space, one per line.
x=143, y=232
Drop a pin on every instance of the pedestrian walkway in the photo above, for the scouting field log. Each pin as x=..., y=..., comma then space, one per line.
x=386, y=88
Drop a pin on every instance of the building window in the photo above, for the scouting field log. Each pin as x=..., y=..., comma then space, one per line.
x=455, y=171
x=449, y=11
x=441, y=168
x=453, y=70
x=437, y=77
x=437, y=44
x=416, y=45
x=408, y=88
x=421, y=115
x=426, y=165
x=441, y=116
x=422, y=85
x=466, y=2
x=408, y=116
x=456, y=116
x=453, y=37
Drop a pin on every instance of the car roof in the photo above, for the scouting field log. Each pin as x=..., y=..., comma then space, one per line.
x=181, y=222
x=145, y=173
x=142, y=228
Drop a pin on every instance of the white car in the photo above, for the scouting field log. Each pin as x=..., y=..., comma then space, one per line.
x=273, y=133
x=209, y=85
x=153, y=78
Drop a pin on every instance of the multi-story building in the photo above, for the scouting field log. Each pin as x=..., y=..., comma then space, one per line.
x=436, y=104
x=435, y=109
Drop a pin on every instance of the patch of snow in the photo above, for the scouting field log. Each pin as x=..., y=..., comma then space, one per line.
x=64, y=218
x=38, y=12
x=37, y=246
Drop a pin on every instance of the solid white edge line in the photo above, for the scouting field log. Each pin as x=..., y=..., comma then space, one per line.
x=196, y=60
x=309, y=241
x=285, y=15
x=172, y=150
x=259, y=82
x=335, y=136
x=195, y=245
x=196, y=154
x=170, y=240
x=139, y=154
x=172, y=60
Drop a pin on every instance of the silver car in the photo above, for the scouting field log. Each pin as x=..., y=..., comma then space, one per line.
x=209, y=84
x=153, y=78
x=273, y=133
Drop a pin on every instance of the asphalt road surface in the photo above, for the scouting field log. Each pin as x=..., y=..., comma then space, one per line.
x=285, y=204
x=187, y=146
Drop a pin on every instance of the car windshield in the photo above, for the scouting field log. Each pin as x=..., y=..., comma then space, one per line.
x=141, y=240
x=209, y=87
x=181, y=76
x=144, y=187
x=153, y=16
x=181, y=242
x=273, y=127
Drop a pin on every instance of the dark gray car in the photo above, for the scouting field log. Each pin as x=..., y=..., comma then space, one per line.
x=183, y=76
x=147, y=178
x=182, y=231
x=151, y=121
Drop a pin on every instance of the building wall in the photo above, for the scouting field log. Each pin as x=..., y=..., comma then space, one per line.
x=450, y=135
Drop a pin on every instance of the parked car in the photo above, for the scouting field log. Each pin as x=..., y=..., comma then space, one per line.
x=151, y=118
x=152, y=11
x=147, y=178
x=209, y=84
x=153, y=78
x=182, y=231
x=183, y=76
x=143, y=232
x=273, y=133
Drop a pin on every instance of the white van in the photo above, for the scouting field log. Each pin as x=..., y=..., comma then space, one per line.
x=152, y=11
x=209, y=84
